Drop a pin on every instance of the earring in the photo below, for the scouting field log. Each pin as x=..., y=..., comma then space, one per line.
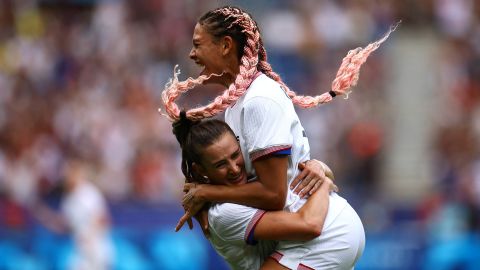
x=205, y=178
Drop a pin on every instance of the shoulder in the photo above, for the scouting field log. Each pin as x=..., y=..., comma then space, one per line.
x=264, y=86
x=232, y=222
x=230, y=212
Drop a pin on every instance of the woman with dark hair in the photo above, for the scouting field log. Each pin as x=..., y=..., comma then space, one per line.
x=245, y=236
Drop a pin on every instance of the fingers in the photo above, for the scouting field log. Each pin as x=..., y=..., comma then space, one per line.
x=188, y=186
x=193, y=208
x=182, y=221
x=308, y=187
x=190, y=223
x=204, y=218
x=298, y=180
x=300, y=176
x=301, y=165
x=305, y=182
x=186, y=200
x=316, y=187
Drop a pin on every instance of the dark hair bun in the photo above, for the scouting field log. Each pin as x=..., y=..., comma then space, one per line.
x=182, y=127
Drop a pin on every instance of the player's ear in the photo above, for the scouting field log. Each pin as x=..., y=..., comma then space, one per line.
x=198, y=169
x=228, y=45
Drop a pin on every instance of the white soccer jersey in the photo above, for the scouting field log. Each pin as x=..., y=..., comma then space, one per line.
x=265, y=121
x=339, y=246
x=230, y=226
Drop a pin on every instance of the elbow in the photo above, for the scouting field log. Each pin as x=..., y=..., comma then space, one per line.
x=313, y=229
x=272, y=201
x=277, y=202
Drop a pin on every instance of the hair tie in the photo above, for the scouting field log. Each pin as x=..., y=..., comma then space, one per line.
x=183, y=115
x=332, y=93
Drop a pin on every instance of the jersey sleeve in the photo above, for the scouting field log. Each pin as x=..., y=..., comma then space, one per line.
x=266, y=128
x=233, y=222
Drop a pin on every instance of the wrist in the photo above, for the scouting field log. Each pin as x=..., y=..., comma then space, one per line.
x=325, y=187
x=202, y=192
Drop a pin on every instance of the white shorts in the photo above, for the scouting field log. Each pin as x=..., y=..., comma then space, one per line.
x=338, y=247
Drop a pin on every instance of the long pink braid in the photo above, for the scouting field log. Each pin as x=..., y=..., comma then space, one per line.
x=347, y=75
x=174, y=88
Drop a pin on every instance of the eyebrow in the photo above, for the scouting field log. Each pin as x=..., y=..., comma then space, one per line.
x=238, y=151
x=218, y=162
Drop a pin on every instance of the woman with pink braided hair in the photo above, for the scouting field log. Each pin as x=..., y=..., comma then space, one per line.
x=259, y=109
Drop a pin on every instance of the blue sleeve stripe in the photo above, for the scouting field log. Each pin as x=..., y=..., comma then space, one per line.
x=250, y=231
x=251, y=238
x=283, y=152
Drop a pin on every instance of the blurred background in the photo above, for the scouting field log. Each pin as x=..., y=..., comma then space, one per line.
x=80, y=83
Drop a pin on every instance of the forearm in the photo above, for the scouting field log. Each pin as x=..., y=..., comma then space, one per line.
x=268, y=192
x=281, y=225
x=303, y=225
x=315, y=210
x=254, y=194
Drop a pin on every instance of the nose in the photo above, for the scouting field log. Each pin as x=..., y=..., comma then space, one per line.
x=234, y=168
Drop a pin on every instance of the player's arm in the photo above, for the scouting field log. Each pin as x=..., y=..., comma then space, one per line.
x=265, y=131
x=305, y=224
x=267, y=193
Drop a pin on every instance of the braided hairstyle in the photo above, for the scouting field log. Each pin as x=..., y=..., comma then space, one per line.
x=239, y=25
x=226, y=21
x=194, y=136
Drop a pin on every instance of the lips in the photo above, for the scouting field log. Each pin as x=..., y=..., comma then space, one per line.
x=238, y=179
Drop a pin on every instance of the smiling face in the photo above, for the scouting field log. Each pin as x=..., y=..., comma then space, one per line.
x=214, y=55
x=206, y=51
x=222, y=162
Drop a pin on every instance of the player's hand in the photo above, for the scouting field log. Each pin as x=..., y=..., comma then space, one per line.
x=202, y=218
x=191, y=203
x=310, y=178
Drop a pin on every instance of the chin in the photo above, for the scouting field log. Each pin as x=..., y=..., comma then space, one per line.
x=239, y=182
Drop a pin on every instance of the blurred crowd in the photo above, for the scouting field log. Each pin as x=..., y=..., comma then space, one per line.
x=82, y=79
